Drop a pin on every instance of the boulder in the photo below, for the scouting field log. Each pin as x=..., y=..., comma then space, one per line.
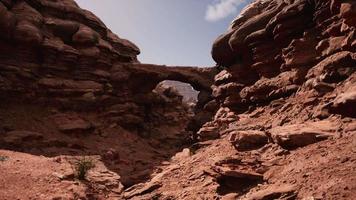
x=248, y=140
x=223, y=77
x=208, y=133
x=237, y=173
x=221, y=51
x=186, y=153
x=273, y=192
x=226, y=90
x=345, y=103
x=299, y=135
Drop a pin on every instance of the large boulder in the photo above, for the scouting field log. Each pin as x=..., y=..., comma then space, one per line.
x=299, y=135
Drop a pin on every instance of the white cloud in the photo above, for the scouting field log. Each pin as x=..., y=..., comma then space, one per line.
x=221, y=9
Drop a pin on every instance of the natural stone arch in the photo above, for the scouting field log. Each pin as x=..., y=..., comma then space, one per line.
x=199, y=78
x=145, y=77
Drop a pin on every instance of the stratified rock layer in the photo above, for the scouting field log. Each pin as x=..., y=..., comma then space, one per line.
x=274, y=47
x=286, y=101
x=56, y=53
x=277, y=121
x=69, y=86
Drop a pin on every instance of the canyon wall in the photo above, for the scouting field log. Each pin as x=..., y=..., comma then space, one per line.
x=302, y=50
x=285, y=127
x=274, y=120
x=70, y=86
x=55, y=53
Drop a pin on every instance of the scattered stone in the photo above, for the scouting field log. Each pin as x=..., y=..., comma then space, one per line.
x=299, y=135
x=186, y=153
x=236, y=173
x=141, y=189
x=248, y=140
x=64, y=176
x=345, y=103
x=231, y=196
x=108, y=179
x=273, y=193
x=322, y=87
x=208, y=133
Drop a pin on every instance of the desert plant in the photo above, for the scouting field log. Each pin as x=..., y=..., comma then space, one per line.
x=3, y=158
x=82, y=166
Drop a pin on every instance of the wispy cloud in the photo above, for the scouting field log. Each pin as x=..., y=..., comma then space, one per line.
x=221, y=9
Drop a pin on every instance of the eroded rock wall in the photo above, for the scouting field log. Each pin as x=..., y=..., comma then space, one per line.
x=279, y=49
x=69, y=86
x=55, y=53
x=285, y=127
x=56, y=49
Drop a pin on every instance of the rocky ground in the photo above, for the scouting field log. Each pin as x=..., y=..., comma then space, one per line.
x=274, y=120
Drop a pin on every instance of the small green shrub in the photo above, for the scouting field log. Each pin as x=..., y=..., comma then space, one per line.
x=3, y=158
x=82, y=166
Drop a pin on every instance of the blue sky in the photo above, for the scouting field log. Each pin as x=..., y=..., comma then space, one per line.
x=171, y=32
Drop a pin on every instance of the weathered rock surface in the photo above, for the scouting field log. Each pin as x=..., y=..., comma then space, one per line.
x=71, y=123
x=53, y=178
x=69, y=86
x=280, y=57
x=286, y=82
x=56, y=53
x=278, y=49
x=299, y=135
x=275, y=120
x=248, y=139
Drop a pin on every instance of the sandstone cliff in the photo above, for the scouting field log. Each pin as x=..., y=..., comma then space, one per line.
x=285, y=127
x=69, y=86
x=274, y=120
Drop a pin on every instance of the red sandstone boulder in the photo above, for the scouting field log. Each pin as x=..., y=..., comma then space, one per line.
x=247, y=140
x=299, y=135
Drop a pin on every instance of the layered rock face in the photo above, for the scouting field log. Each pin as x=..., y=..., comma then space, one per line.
x=270, y=48
x=288, y=81
x=285, y=127
x=56, y=46
x=69, y=86
x=278, y=49
x=54, y=52
x=276, y=121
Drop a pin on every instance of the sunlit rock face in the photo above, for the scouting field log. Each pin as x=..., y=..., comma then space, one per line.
x=274, y=120
x=275, y=53
x=273, y=47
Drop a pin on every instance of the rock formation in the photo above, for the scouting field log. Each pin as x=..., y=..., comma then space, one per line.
x=57, y=53
x=69, y=86
x=274, y=120
x=286, y=102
